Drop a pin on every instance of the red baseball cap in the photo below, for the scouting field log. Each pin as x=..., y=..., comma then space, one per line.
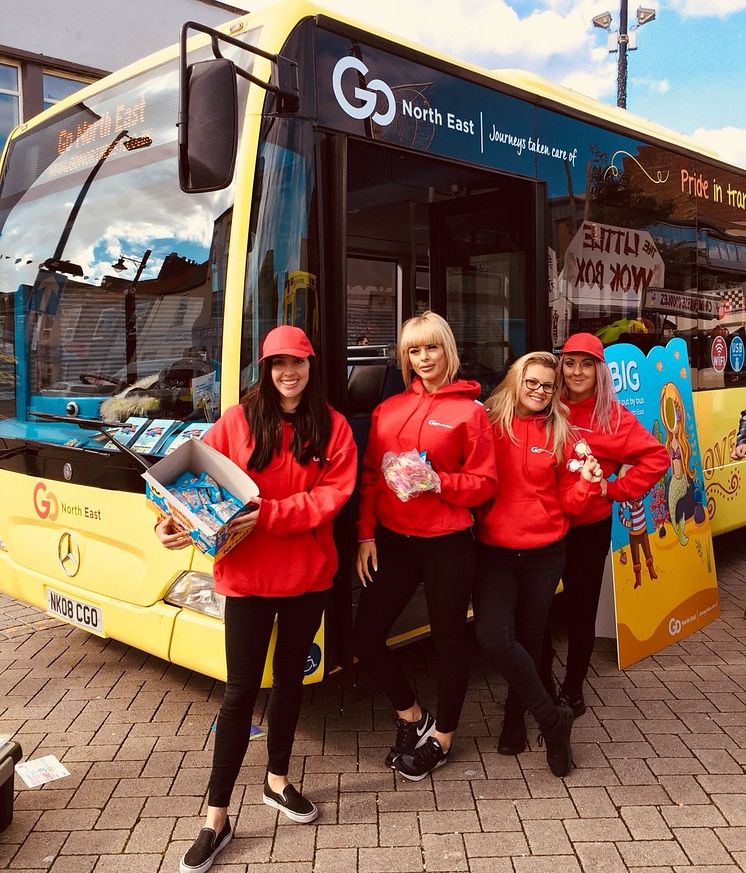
x=585, y=343
x=286, y=340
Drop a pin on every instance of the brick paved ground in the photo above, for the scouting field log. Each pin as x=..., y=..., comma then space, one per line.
x=660, y=784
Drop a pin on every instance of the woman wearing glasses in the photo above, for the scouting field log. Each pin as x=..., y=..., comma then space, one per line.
x=426, y=539
x=521, y=535
x=616, y=437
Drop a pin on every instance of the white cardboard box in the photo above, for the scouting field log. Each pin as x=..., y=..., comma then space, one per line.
x=197, y=457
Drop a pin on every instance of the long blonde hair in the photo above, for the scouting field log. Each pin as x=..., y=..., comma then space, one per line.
x=501, y=404
x=424, y=330
x=607, y=411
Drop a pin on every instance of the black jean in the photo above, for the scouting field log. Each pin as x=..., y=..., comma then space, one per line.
x=587, y=548
x=248, y=628
x=445, y=567
x=512, y=597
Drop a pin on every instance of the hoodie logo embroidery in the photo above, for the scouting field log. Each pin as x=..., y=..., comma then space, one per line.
x=538, y=449
x=435, y=423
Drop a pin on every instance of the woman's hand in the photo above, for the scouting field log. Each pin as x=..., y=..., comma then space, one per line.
x=591, y=470
x=367, y=561
x=246, y=521
x=738, y=452
x=171, y=535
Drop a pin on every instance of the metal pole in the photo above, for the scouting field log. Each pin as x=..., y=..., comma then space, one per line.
x=130, y=321
x=621, y=79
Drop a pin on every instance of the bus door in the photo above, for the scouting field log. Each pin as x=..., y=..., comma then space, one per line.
x=421, y=233
x=484, y=276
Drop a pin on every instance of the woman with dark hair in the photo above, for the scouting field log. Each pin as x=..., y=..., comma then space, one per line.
x=301, y=454
x=426, y=540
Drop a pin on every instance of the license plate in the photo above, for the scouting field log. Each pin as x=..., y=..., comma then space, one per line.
x=75, y=611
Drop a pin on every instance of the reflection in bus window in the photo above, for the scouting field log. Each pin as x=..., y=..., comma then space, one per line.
x=281, y=285
x=372, y=287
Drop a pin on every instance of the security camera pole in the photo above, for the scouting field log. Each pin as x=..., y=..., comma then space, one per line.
x=623, y=41
x=621, y=70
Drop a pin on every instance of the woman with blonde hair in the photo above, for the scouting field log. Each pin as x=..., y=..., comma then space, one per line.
x=429, y=459
x=521, y=535
x=616, y=437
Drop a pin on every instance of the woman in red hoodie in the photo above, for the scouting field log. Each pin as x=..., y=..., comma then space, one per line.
x=616, y=437
x=521, y=536
x=301, y=454
x=427, y=540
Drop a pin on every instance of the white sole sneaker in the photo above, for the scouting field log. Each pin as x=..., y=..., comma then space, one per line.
x=300, y=818
x=428, y=733
x=203, y=868
x=419, y=778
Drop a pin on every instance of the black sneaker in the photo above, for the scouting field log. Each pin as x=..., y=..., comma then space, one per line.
x=203, y=850
x=576, y=702
x=410, y=735
x=557, y=741
x=425, y=758
x=513, y=739
x=290, y=802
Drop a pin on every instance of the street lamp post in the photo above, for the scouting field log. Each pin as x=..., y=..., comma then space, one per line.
x=621, y=73
x=622, y=41
x=130, y=311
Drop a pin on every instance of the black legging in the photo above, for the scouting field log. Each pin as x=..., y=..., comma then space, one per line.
x=587, y=548
x=512, y=597
x=248, y=628
x=445, y=567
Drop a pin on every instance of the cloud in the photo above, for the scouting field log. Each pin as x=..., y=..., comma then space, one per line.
x=707, y=8
x=728, y=142
x=655, y=86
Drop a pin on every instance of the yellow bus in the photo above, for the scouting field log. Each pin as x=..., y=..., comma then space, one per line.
x=296, y=166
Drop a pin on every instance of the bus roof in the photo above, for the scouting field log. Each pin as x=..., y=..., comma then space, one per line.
x=279, y=20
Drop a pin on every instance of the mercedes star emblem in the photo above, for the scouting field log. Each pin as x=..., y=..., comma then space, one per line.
x=68, y=554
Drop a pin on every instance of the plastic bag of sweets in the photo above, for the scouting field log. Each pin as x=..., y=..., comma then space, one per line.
x=408, y=474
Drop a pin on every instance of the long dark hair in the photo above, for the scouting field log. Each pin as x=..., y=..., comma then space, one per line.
x=312, y=420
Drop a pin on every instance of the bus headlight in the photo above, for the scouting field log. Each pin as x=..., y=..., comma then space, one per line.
x=196, y=591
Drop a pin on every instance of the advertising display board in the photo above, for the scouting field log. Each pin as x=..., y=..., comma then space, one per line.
x=665, y=587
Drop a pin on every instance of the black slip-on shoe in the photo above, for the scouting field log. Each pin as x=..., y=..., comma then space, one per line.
x=410, y=735
x=203, y=851
x=291, y=803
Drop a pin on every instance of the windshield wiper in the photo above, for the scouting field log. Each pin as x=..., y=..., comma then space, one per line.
x=101, y=427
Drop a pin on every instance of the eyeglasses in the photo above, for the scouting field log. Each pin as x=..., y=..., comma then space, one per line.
x=534, y=385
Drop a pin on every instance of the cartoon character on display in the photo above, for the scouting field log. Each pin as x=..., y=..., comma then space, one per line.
x=633, y=516
x=684, y=497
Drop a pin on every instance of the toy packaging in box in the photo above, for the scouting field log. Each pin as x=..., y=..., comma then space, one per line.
x=197, y=458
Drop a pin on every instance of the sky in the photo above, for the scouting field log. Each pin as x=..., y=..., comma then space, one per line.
x=688, y=72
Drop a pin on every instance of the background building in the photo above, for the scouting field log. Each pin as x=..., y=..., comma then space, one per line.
x=48, y=50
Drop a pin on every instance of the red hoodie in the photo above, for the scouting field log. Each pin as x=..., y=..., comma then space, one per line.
x=291, y=550
x=628, y=443
x=453, y=429
x=536, y=494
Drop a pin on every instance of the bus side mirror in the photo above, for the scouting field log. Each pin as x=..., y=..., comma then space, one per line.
x=208, y=126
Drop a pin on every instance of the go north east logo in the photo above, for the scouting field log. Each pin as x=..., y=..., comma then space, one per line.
x=45, y=503
x=368, y=97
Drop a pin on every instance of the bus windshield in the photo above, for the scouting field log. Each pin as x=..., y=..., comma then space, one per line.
x=111, y=278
